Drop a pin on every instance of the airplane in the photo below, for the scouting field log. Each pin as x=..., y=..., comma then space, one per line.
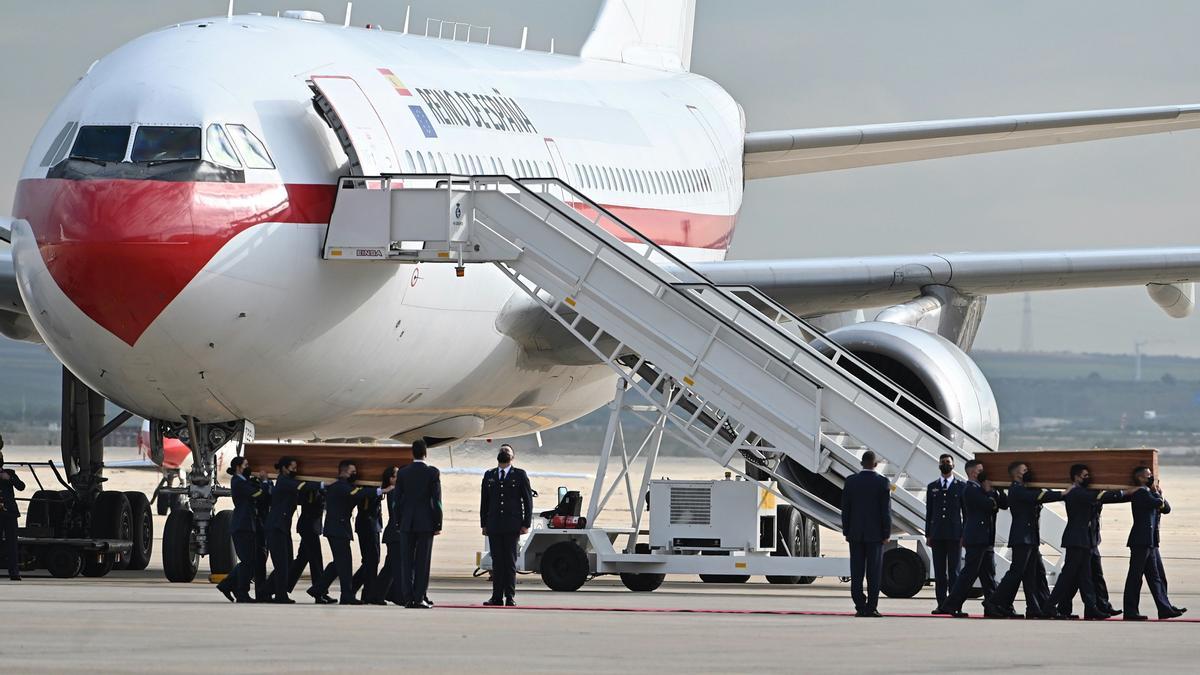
x=169, y=215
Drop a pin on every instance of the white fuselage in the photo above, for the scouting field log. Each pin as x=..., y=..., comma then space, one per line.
x=208, y=296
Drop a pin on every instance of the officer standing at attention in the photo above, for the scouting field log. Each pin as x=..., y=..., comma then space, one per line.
x=1148, y=505
x=368, y=524
x=867, y=526
x=242, y=529
x=978, y=538
x=505, y=513
x=1024, y=537
x=1079, y=539
x=943, y=526
x=9, y=513
x=286, y=491
x=341, y=498
x=419, y=514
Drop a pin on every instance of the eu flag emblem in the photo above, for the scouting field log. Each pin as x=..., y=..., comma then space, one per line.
x=423, y=121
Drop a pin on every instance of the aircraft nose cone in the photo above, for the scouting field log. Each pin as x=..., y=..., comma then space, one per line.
x=122, y=250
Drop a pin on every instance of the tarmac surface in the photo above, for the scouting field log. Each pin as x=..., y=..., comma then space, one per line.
x=138, y=622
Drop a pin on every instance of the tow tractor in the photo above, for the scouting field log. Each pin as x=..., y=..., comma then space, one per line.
x=63, y=536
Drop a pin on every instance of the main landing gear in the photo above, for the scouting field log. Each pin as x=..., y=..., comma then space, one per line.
x=193, y=530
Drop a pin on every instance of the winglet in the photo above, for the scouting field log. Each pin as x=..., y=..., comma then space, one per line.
x=650, y=33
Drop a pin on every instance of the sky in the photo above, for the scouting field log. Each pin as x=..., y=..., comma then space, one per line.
x=821, y=63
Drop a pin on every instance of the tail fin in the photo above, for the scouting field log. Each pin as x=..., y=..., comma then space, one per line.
x=650, y=33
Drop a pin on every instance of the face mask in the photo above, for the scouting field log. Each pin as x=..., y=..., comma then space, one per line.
x=246, y=472
x=1086, y=482
x=1150, y=481
x=503, y=457
x=352, y=478
x=982, y=476
x=947, y=469
x=1027, y=477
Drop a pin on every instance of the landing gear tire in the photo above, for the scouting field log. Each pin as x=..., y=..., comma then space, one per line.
x=111, y=519
x=142, y=531
x=179, y=556
x=642, y=582
x=904, y=573
x=565, y=567
x=62, y=562
x=723, y=578
x=221, y=557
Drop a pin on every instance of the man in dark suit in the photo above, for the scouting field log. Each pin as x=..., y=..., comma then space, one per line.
x=943, y=526
x=1024, y=538
x=979, y=532
x=9, y=515
x=1075, y=573
x=867, y=526
x=1148, y=506
x=505, y=513
x=340, y=499
x=284, y=494
x=243, y=530
x=419, y=520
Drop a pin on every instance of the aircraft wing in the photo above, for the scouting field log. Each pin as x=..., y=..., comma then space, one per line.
x=789, y=152
x=815, y=286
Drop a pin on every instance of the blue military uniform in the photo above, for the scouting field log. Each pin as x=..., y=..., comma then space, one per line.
x=284, y=495
x=866, y=524
x=987, y=568
x=368, y=524
x=944, y=530
x=340, y=500
x=9, y=515
x=1079, y=538
x=979, y=536
x=1144, y=560
x=505, y=507
x=387, y=584
x=1024, y=538
x=243, y=529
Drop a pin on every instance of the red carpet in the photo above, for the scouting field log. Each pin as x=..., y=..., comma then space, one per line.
x=765, y=612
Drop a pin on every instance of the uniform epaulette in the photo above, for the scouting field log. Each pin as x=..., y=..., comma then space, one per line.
x=1101, y=494
x=1041, y=494
x=257, y=493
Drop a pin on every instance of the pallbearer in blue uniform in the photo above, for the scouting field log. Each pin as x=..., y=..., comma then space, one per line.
x=987, y=567
x=979, y=533
x=505, y=513
x=1148, y=506
x=284, y=494
x=340, y=499
x=368, y=524
x=419, y=509
x=943, y=526
x=1024, y=538
x=1078, y=539
x=390, y=571
x=243, y=529
x=9, y=515
x=867, y=526
x=308, y=526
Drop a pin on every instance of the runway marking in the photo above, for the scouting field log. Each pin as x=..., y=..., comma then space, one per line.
x=763, y=612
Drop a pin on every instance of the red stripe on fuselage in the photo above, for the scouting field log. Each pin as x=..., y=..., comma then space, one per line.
x=122, y=250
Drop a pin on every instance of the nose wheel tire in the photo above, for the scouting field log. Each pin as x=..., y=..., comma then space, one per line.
x=221, y=557
x=904, y=573
x=565, y=567
x=179, y=557
x=111, y=519
x=142, y=531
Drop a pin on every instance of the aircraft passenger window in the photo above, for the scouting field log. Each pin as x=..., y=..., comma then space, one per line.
x=253, y=151
x=408, y=162
x=624, y=176
x=105, y=144
x=220, y=149
x=441, y=163
x=58, y=147
x=421, y=163
x=458, y=163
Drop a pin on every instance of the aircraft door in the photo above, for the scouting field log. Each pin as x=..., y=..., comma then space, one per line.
x=556, y=158
x=722, y=159
x=357, y=124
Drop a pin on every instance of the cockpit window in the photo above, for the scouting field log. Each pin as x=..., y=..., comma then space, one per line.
x=58, y=148
x=165, y=144
x=253, y=151
x=220, y=150
x=101, y=143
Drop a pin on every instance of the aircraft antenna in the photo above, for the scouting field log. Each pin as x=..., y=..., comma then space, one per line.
x=349, y=8
x=229, y=11
x=407, y=16
x=524, y=37
x=551, y=45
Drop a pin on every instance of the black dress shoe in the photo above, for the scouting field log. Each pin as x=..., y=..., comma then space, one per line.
x=350, y=601
x=428, y=601
x=1170, y=615
x=960, y=615
x=941, y=612
x=424, y=604
x=1135, y=617
x=1181, y=610
x=324, y=600
x=1115, y=612
x=509, y=602
x=16, y=578
x=1095, y=616
x=492, y=602
x=227, y=593
x=283, y=601
x=874, y=613
x=861, y=613
x=1066, y=617
x=993, y=612
x=376, y=602
x=243, y=599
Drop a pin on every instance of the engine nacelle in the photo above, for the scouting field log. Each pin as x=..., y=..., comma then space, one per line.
x=931, y=368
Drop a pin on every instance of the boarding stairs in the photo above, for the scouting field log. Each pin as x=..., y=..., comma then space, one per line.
x=738, y=376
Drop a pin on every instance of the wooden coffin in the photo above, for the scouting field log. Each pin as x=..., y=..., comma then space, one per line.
x=1111, y=469
x=319, y=461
